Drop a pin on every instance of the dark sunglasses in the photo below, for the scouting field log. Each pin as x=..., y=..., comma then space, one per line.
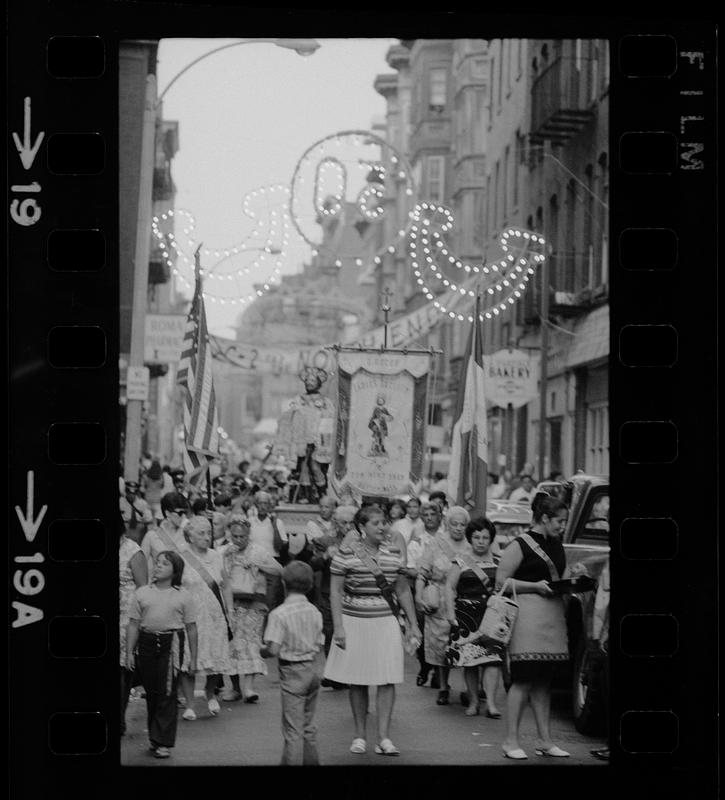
x=179, y=510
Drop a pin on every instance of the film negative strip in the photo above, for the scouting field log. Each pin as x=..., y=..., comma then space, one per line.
x=64, y=320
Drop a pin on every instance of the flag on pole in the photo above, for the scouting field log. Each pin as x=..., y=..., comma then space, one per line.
x=468, y=472
x=201, y=421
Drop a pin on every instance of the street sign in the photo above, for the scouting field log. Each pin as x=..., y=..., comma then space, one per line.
x=137, y=383
x=510, y=378
x=163, y=338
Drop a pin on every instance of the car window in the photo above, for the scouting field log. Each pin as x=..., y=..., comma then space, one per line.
x=594, y=527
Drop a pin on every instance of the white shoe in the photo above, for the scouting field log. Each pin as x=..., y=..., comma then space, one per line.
x=189, y=715
x=214, y=707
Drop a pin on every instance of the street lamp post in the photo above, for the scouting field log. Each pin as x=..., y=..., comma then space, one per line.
x=132, y=453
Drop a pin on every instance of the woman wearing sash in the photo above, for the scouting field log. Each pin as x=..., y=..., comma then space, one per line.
x=539, y=639
x=433, y=568
x=247, y=565
x=368, y=588
x=469, y=585
x=204, y=578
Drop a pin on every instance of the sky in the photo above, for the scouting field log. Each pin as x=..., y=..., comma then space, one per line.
x=246, y=116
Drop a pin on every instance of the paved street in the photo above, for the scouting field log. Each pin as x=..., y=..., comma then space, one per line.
x=425, y=733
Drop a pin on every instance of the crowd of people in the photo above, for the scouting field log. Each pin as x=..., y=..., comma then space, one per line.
x=217, y=588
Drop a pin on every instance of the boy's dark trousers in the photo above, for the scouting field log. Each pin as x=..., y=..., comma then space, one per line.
x=300, y=685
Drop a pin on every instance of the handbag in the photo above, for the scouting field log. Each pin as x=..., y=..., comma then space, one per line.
x=498, y=619
x=431, y=596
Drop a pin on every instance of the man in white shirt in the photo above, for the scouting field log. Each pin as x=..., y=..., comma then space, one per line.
x=322, y=524
x=525, y=493
x=265, y=529
x=269, y=533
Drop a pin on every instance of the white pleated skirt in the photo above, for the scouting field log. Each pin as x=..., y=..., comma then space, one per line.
x=373, y=654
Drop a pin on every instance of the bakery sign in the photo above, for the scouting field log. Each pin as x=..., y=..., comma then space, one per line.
x=511, y=378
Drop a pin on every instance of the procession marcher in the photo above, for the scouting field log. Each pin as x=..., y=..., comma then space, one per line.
x=431, y=517
x=294, y=635
x=322, y=524
x=161, y=643
x=246, y=564
x=324, y=550
x=205, y=578
x=539, y=638
x=132, y=501
x=367, y=584
x=411, y=521
x=470, y=583
x=525, y=492
x=132, y=573
x=430, y=596
x=269, y=533
x=169, y=535
x=153, y=488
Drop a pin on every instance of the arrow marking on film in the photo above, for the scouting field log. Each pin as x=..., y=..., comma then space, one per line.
x=28, y=524
x=25, y=149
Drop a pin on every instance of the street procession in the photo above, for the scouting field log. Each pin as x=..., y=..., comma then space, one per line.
x=364, y=476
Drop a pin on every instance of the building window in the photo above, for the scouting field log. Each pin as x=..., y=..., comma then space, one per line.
x=568, y=280
x=603, y=216
x=593, y=72
x=506, y=179
x=478, y=68
x=488, y=208
x=438, y=77
x=491, y=83
x=597, y=455
x=507, y=60
x=496, y=195
x=517, y=161
x=436, y=178
x=578, y=54
x=519, y=58
x=500, y=77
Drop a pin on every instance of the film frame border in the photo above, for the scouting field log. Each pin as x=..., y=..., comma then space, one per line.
x=680, y=199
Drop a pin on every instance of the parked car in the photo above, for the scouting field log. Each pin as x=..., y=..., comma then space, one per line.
x=510, y=519
x=586, y=541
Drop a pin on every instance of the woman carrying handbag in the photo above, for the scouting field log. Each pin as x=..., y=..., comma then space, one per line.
x=539, y=638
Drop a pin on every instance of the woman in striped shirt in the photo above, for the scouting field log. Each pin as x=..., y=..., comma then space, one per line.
x=367, y=644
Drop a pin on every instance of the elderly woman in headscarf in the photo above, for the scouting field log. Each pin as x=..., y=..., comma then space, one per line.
x=434, y=565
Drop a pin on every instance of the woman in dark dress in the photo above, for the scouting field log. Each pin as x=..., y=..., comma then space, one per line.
x=539, y=638
x=469, y=585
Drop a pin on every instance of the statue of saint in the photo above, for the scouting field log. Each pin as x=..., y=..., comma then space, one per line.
x=311, y=423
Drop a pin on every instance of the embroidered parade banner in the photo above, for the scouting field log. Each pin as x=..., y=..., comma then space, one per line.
x=381, y=408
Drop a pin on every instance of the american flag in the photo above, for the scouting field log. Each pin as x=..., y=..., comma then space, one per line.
x=468, y=472
x=201, y=421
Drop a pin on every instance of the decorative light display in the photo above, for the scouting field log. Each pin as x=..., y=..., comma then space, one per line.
x=500, y=283
x=346, y=167
x=354, y=167
x=269, y=241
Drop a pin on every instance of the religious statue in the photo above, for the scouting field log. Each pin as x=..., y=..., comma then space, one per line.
x=378, y=424
x=311, y=420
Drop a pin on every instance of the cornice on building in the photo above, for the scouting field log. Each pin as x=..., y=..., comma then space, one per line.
x=398, y=57
x=386, y=85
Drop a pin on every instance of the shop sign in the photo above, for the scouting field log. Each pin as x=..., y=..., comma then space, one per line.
x=164, y=338
x=511, y=378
